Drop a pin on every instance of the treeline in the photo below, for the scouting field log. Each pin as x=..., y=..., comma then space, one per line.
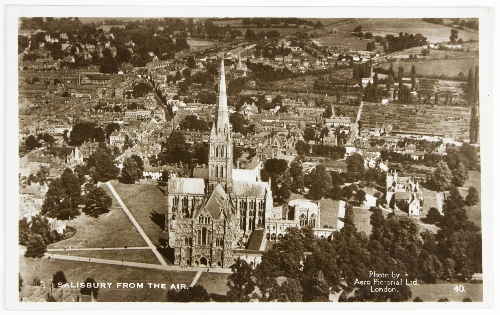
x=276, y=22
x=473, y=100
x=343, y=264
x=251, y=35
x=268, y=73
x=403, y=41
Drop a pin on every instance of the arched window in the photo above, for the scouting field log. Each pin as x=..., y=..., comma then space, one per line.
x=185, y=201
x=204, y=236
x=312, y=220
x=250, y=213
x=198, y=237
x=200, y=219
x=187, y=241
x=176, y=201
x=303, y=220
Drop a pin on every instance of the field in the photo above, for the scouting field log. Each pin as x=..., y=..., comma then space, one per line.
x=436, y=67
x=76, y=271
x=306, y=82
x=199, y=43
x=343, y=40
x=132, y=255
x=362, y=220
x=282, y=30
x=112, y=229
x=433, y=32
x=146, y=203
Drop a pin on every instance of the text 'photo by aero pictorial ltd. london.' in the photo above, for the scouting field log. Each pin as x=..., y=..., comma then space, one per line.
x=222, y=157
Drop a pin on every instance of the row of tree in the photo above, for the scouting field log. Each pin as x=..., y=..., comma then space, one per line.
x=396, y=244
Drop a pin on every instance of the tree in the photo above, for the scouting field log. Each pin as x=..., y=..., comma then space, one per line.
x=32, y=143
x=361, y=196
x=355, y=166
x=288, y=291
x=97, y=202
x=277, y=166
x=302, y=147
x=91, y=288
x=62, y=201
x=20, y=281
x=418, y=299
x=110, y=128
x=176, y=148
x=441, y=177
x=86, y=131
x=239, y=123
x=316, y=289
x=309, y=134
x=433, y=216
x=130, y=172
x=103, y=164
x=35, y=246
x=472, y=197
x=59, y=279
x=240, y=282
x=297, y=176
x=453, y=35
x=460, y=175
x=140, y=89
x=195, y=293
x=321, y=182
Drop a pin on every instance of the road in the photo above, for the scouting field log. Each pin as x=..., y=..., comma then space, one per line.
x=199, y=270
x=93, y=248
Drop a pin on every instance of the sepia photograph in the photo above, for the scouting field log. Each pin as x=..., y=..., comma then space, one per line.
x=207, y=156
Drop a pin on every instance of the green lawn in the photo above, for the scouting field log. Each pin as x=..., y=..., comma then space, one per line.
x=133, y=255
x=329, y=212
x=214, y=282
x=112, y=229
x=362, y=220
x=76, y=271
x=145, y=202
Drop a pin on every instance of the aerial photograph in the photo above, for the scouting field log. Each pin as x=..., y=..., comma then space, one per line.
x=263, y=159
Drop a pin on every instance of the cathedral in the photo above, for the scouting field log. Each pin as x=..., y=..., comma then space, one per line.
x=210, y=216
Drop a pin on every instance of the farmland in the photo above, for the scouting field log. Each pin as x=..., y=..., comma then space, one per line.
x=382, y=27
x=436, y=67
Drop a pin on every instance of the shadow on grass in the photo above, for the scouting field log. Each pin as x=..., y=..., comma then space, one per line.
x=166, y=252
x=158, y=219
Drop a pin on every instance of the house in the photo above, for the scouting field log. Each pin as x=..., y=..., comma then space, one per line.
x=117, y=139
x=403, y=193
x=96, y=79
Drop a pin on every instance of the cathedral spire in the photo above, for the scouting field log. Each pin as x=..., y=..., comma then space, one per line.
x=222, y=112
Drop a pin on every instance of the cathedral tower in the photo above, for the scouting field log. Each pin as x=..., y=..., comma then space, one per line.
x=220, y=159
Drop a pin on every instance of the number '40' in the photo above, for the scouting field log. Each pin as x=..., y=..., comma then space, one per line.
x=459, y=289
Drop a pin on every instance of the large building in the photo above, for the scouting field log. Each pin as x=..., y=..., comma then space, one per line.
x=207, y=218
x=222, y=212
